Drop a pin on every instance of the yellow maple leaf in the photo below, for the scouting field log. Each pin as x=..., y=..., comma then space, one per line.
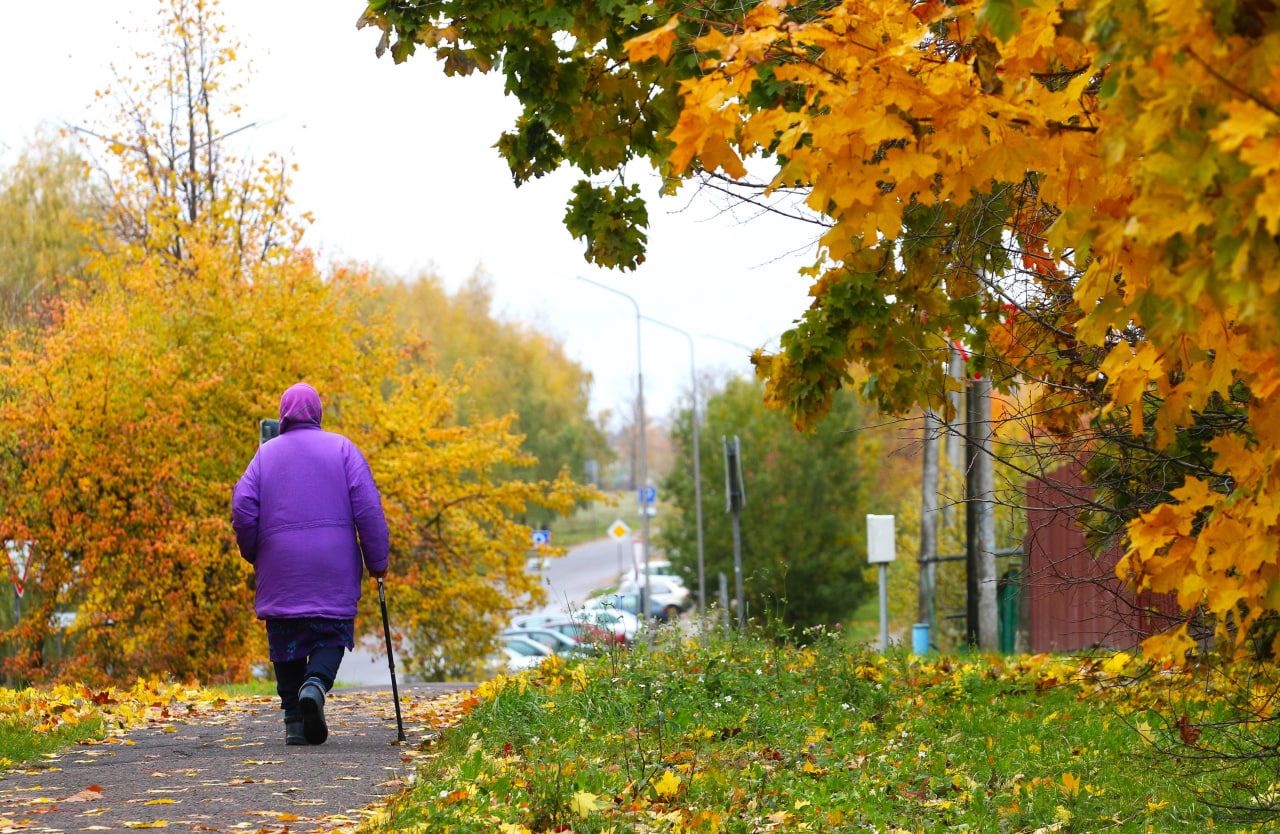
x=1070, y=784
x=668, y=785
x=654, y=44
x=1267, y=205
x=717, y=153
x=1245, y=120
x=1172, y=644
x=583, y=803
x=1114, y=665
x=512, y=828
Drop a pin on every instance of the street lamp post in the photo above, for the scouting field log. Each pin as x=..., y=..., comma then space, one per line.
x=697, y=468
x=647, y=593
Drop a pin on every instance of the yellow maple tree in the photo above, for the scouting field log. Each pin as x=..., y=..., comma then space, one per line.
x=1122, y=157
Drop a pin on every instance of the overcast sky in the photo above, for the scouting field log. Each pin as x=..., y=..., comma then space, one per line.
x=397, y=165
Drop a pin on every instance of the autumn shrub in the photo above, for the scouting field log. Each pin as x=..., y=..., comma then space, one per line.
x=743, y=735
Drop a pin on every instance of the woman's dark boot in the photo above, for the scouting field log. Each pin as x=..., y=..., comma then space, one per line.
x=293, y=734
x=311, y=700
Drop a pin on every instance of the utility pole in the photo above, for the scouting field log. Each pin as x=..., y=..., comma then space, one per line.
x=735, y=495
x=984, y=471
x=970, y=517
x=929, y=519
x=982, y=627
x=647, y=589
x=954, y=430
x=697, y=472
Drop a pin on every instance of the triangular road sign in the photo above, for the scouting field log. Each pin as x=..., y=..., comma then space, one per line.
x=19, y=554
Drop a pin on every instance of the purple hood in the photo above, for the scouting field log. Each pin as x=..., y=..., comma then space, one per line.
x=307, y=514
x=300, y=406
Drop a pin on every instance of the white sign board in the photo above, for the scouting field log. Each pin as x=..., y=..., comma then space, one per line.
x=618, y=531
x=880, y=547
x=19, y=554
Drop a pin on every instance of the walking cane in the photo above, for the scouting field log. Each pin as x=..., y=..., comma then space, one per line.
x=391, y=662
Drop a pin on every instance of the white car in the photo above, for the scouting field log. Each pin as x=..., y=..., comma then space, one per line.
x=657, y=568
x=623, y=624
x=522, y=653
x=535, y=620
x=672, y=596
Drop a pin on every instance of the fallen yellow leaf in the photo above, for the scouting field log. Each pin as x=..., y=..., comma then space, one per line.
x=668, y=785
x=583, y=803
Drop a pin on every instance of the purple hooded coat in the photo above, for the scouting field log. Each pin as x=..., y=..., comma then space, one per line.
x=297, y=512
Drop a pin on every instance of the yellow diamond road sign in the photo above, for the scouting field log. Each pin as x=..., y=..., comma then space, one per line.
x=618, y=531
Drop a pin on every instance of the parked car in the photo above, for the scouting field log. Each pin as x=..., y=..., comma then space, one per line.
x=560, y=644
x=622, y=623
x=673, y=597
x=522, y=653
x=629, y=604
x=535, y=620
x=584, y=632
x=657, y=568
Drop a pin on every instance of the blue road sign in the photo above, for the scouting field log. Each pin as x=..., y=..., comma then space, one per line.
x=541, y=537
x=648, y=495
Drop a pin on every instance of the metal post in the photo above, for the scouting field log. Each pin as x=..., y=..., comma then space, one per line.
x=984, y=477
x=619, y=561
x=724, y=601
x=697, y=468
x=737, y=573
x=954, y=431
x=929, y=521
x=735, y=494
x=884, y=607
x=971, y=517
x=646, y=592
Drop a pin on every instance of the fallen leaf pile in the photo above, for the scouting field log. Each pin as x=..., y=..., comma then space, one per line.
x=146, y=703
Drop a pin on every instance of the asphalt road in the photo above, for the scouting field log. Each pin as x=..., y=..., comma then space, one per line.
x=588, y=567
x=568, y=582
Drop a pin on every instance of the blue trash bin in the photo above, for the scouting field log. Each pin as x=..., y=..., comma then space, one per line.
x=920, y=638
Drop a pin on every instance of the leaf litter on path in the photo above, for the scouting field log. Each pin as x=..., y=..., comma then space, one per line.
x=178, y=767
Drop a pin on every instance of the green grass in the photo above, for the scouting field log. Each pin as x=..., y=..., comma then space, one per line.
x=21, y=742
x=863, y=625
x=743, y=736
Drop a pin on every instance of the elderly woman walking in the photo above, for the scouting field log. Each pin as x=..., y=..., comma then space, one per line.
x=307, y=514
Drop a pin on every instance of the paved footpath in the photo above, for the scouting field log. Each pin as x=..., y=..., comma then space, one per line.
x=229, y=770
